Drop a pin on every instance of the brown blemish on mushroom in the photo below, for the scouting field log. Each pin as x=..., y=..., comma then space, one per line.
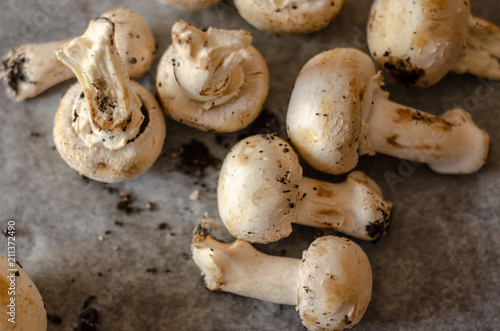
x=405, y=115
x=391, y=140
x=403, y=70
x=328, y=212
x=324, y=192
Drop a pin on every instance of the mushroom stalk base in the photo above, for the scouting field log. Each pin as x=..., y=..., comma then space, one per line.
x=450, y=144
x=241, y=269
x=481, y=56
x=355, y=207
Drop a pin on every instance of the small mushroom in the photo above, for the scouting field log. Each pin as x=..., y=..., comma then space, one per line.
x=191, y=5
x=419, y=42
x=261, y=192
x=330, y=287
x=214, y=80
x=338, y=111
x=289, y=17
x=107, y=127
x=22, y=305
x=30, y=69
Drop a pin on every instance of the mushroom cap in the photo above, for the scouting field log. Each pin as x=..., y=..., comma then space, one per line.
x=30, y=309
x=98, y=162
x=326, y=109
x=417, y=42
x=258, y=189
x=235, y=114
x=284, y=17
x=134, y=41
x=335, y=284
x=191, y=5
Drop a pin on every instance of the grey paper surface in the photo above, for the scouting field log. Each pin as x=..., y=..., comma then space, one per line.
x=436, y=269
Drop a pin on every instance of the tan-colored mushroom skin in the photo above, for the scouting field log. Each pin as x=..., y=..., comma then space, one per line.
x=231, y=116
x=329, y=95
x=98, y=162
x=30, y=314
x=191, y=5
x=418, y=42
x=289, y=17
x=30, y=69
x=333, y=294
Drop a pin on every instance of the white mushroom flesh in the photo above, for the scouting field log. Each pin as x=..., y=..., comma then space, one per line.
x=110, y=115
x=207, y=65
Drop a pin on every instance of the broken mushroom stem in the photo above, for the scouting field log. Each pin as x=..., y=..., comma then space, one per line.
x=113, y=112
x=261, y=192
x=30, y=69
x=330, y=287
x=450, y=143
x=481, y=56
x=207, y=64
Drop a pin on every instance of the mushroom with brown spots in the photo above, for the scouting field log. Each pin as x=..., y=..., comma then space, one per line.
x=330, y=287
x=191, y=5
x=261, y=192
x=18, y=291
x=107, y=127
x=28, y=70
x=338, y=111
x=419, y=42
x=289, y=17
x=214, y=80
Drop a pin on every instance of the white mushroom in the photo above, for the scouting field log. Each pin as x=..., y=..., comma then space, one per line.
x=214, y=80
x=30, y=69
x=107, y=127
x=338, y=111
x=331, y=287
x=21, y=305
x=420, y=41
x=191, y=5
x=289, y=17
x=261, y=192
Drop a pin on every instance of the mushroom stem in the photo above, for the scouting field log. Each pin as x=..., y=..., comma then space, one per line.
x=241, y=269
x=112, y=115
x=207, y=64
x=354, y=207
x=451, y=143
x=30, y=69
x=481, y=56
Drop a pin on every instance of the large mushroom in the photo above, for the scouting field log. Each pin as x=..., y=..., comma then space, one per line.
x=30, y=69
x=338, y=111
x=22, y=307
x=289, y=17
x=214, y=80
x=261, y=192
x=191, y=5
x=330, y=287
x=420, y=41
x=107, y=127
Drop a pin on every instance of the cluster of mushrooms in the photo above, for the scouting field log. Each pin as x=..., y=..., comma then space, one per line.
x=109, y=128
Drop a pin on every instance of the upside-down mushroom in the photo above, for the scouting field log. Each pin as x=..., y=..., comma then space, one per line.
x=30, y=69
x=261, y=192
x=107, y=127
x=330, y=287
x=22, y=304
x=419, y=42
x=338, y=111
x=214, y=80
x=289, y=17
x=191, y=5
